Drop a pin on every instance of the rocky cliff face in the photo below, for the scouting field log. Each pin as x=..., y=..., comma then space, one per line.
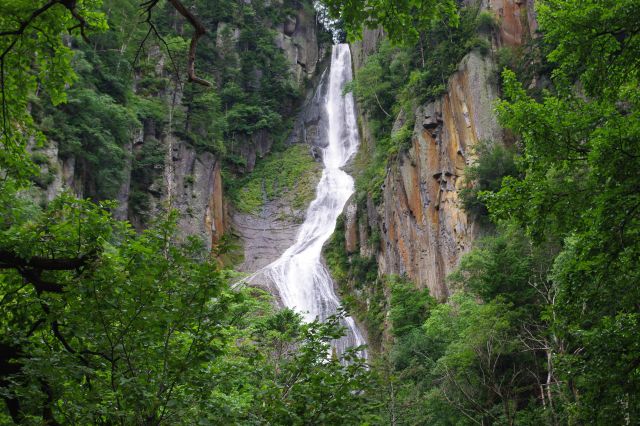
x=194, y=188
x=420, y=226
x=265, y=235
x=194, y=181
x=190, y=180
x=517, y=19
x=424, y=228
x=298, y=38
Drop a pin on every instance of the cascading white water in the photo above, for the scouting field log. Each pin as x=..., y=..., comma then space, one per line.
x=301, y=278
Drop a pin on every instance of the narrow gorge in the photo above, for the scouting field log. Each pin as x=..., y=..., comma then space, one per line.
x=319, y=212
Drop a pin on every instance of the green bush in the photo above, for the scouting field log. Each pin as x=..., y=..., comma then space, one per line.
x=487, y=21
x=481, y=44
x=361, y=290
x=409, y=306
x=494, y=162
x=506, y=58
x=40, y=158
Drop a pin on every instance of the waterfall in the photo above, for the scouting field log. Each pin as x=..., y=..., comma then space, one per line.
x=302, y=280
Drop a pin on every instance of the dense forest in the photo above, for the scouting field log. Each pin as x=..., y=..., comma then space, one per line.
x=111, y=314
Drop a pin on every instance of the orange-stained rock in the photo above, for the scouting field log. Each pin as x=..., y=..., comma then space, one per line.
x=516, y=18
x=424, y=228
x=214, y=215
x=351, y=227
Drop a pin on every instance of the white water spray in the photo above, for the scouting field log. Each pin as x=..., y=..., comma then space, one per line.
x=301, y=278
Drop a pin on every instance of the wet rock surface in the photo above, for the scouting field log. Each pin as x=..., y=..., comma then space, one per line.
x=266, y=235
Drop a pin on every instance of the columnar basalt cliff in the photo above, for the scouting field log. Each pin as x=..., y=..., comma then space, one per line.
x=422, y=227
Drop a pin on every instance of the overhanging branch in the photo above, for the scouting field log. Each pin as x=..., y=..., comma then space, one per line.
x=198, y=31
x=31, y=269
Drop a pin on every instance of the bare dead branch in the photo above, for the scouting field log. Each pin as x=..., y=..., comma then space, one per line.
x=199, y=31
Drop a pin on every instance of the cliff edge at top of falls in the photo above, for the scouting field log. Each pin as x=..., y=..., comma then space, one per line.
x=420, y=226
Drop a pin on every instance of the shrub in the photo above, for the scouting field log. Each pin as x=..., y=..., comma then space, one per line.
x=40, y=158
x=481, y=44
x=409, y=306
x=506, y=58
x=487, y=22
x=274, y=176
x=494, y=162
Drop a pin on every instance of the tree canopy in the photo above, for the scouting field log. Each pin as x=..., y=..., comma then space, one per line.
x=103, y=324
x=402, y=20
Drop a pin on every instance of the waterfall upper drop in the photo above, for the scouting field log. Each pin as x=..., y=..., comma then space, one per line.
x=302, y=280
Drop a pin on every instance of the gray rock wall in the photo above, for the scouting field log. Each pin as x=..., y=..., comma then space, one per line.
x=423, y=229
x=267, y=234
x=189, y=181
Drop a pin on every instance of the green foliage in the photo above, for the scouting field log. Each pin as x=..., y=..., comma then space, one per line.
x=250, y=118
x=480, y=44
x=509, y=267
x=300, y=394
x=107, y=326
x=409, y=307
x=103, y=325
x=548, y=285
x=402, y=21
x=122, y=87
x=205, y=123
x=578, y=184
x=478, y=366
x=478, y=357
x=256, y=90
x=506, y=57
x=292, y=171
x=487, y=21
x=356, y=276
x=494, y=162
x=33, y=56
x=93, y=128
x=396, y=78
x=464, y=364
x=597, y=43
x=142, y=328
